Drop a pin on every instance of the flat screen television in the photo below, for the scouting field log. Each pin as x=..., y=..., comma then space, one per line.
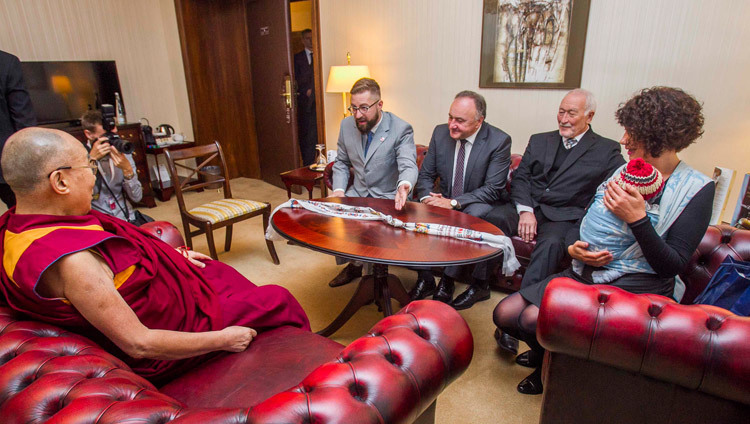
x=62, y=91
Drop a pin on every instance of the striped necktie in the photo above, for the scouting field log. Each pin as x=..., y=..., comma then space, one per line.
x=458, y=179
x=569, y=143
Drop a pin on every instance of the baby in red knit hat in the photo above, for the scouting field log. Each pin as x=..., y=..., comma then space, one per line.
x=642, y=176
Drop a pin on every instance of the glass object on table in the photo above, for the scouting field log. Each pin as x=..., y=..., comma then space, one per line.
x=320, y=158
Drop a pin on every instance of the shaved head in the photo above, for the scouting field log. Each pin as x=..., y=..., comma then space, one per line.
x=30, y=154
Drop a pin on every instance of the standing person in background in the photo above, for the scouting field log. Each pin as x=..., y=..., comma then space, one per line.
x=307, y=120
x=16, y=111
x=116, y=181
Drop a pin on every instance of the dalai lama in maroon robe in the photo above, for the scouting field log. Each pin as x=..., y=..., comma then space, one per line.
x=160, y=311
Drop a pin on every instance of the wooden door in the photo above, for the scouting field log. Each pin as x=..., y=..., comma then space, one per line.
x=271, y=69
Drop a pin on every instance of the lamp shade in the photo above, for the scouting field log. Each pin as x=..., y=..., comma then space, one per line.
x=341, y=78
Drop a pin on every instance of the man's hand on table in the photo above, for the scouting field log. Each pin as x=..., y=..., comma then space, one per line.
x=402, y=193
x=437, y=199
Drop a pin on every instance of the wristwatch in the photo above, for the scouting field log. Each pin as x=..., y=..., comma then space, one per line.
x=455, y=204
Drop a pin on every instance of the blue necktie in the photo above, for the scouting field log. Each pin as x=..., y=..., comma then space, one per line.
x=369, y=140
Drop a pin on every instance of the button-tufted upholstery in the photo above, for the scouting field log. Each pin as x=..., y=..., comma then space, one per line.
x=619, y=357
x=391, y=375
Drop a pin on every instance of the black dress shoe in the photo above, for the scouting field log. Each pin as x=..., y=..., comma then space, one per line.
x=444, y=292
x=422, y=289
x=530, y=359
x=471, y=296
x=532, y=385
x=346, y=275
x=506, y=341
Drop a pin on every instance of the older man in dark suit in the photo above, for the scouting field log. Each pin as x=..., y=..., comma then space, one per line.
x=554, y=183
x=15, y=110
x=471, y=159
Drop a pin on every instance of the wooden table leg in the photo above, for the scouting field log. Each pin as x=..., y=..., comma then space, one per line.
x=309, y=188
x=364, y=295
x=379, y=287
x=288, y=189
x=323, y=189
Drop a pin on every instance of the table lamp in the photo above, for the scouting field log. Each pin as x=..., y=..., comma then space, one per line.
x=341, y=78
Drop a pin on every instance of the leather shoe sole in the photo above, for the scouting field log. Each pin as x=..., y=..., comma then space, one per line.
x=468, y=298
x=444, y=292
x=529, y=359
x=346, y=276
x=506, y=341
x=422, y=289
x=531, y=385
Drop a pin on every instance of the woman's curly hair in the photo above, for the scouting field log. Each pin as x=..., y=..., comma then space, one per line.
x=662, y=118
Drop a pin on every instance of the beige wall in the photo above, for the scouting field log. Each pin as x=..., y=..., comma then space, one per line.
x=140, y=35
x=424, y=51
x=300, y=13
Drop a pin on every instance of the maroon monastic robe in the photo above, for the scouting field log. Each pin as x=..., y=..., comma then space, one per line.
x=160, y=285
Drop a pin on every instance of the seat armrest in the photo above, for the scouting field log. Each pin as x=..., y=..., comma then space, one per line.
x=699, y=347
x=165, y=232
x=392, y=375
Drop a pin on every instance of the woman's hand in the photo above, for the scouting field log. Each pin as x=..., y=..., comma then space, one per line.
x=579, y=250
x=627, y=204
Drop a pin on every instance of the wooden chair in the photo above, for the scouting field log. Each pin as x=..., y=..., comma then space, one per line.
x=216, y=214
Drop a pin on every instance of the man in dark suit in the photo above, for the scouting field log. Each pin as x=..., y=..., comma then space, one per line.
x=554, y=183
x=307, y=121
x=15, y=110
x=471, y=159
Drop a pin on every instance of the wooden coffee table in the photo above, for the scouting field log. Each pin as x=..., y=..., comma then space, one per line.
x=305, y=177
x=383, y=245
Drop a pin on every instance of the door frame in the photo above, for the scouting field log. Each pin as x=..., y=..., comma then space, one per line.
x=318, y=57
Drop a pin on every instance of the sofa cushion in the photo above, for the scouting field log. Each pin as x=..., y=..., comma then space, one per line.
x=275, y=361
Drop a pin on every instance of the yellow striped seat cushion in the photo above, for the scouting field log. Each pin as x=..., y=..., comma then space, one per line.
x=221, y=210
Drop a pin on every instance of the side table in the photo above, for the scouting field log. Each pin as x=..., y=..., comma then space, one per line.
x=304, y=177
x=165, y=193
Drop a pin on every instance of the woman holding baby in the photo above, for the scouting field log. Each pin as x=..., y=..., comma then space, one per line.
x=643, y=224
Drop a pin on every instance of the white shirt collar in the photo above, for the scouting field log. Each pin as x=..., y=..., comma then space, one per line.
x=375, y=128
x=578, y=137
x=470, y=139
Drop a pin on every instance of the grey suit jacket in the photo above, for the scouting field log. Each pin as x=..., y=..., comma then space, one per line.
x=392, y=157
x=486, y=170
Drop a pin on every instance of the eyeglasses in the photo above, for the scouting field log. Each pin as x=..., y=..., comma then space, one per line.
x=92, y=166
x=354, y=109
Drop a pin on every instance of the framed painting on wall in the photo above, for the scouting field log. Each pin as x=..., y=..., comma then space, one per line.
x=533, y=43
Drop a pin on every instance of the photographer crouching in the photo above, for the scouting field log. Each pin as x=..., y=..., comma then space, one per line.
x=116, y=183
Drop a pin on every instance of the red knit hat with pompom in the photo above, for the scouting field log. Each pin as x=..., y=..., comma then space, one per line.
x=641, y=175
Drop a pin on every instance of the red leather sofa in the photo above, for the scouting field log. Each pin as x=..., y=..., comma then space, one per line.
x=618, y=357
x=393, y=374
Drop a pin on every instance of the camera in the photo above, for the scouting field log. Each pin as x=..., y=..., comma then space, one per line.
x=108, y=123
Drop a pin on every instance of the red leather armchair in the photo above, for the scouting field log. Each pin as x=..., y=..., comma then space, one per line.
x=619, y=357
x=392, y=374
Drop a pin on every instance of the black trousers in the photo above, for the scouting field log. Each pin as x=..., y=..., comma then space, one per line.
x=307, y=135
x=550, y=248
x=483, y=270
